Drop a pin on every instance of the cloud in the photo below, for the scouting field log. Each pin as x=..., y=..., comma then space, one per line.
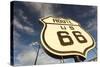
x=16, y=34
x=43, y=58
x=27, y=57
x=91, y=12
x=44, y=9
x=27, y=29
x=23, y=17
x=34, y=43
x=27, y=54
x=90, y=18
x=17, y=24
x=92, y=25
x=16, y=37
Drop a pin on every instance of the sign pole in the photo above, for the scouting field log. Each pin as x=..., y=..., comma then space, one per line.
x=37, y=55
x=62, y=59
x=77, y=59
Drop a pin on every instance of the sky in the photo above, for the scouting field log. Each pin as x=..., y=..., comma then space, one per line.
x=27, y=29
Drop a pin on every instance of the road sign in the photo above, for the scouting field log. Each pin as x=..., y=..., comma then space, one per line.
x=64, y=37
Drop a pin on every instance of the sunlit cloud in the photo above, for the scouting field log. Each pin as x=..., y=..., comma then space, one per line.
x=43, y=9
x=25, y=29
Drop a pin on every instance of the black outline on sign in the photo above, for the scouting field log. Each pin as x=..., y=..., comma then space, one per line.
x=45, y=26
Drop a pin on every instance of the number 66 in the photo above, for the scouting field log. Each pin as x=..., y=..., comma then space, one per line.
x=61, y=37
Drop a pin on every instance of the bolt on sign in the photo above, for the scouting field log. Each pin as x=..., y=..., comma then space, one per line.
x=65, y=37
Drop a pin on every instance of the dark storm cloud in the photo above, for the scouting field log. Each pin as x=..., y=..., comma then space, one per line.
x=85, y=15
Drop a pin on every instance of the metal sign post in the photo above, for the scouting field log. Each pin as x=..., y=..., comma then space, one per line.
x=37, y=55
x=62, y=59
x=77, y=59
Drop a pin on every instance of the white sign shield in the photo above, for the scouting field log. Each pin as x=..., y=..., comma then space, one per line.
x=65, y=37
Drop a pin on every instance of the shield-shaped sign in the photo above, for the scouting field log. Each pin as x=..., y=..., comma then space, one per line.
x=64, y=37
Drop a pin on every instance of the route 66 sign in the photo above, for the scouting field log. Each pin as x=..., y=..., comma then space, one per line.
x=64, y=37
